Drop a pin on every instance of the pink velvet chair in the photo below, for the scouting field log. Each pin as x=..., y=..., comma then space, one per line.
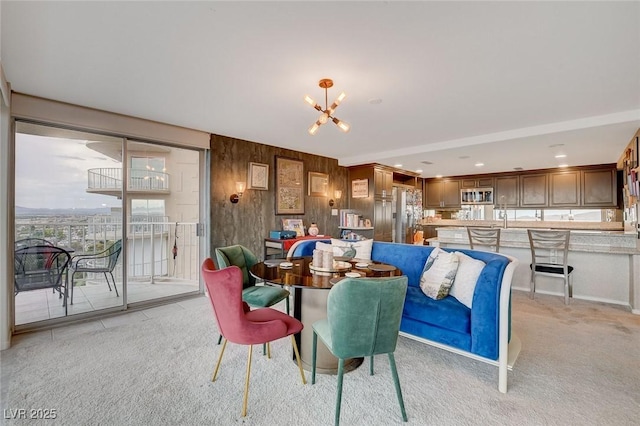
x=239, y=324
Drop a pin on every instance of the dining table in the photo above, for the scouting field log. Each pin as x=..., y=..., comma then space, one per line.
x=310, y=287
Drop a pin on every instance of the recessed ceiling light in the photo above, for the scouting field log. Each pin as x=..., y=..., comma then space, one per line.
x=438, y=176
x=463, y=157
x=397, y=165
x=518, y=169
x=375, y=101
x=479, y=164
x=563, y=165
x=426, y=162
x=555, y=145
x=561, y=156
x=419, y=171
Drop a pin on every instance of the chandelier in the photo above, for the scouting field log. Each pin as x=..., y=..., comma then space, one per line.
x=327, y=112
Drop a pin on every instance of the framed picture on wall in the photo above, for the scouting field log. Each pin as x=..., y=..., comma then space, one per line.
x=318, y=184
x=360, y=188
x=289, y=186
x=258, y=176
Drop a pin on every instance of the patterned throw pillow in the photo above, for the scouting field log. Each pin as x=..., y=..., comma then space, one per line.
x=362, y=248
x=439, y=273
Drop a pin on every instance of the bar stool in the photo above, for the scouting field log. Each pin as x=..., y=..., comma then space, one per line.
x=549, y=256
x=484, y=237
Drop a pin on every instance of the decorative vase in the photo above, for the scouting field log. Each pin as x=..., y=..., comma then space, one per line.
x=313, y=230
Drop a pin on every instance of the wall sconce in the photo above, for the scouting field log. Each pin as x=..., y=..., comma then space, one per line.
x=337, y=195
x=240, y=186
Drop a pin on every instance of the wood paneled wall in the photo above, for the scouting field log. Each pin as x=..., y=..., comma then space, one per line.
x=249, y=221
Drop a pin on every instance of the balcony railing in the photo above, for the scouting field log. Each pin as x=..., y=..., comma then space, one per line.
x=110, y=179
x=149, y=243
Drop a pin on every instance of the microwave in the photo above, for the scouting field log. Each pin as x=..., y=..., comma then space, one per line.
x=476, y=196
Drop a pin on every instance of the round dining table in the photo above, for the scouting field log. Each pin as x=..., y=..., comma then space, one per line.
x=310, y=287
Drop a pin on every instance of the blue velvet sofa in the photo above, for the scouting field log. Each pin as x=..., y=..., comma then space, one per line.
x=482, y=333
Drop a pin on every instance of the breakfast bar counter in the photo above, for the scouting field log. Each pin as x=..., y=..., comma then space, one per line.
x=607, y=263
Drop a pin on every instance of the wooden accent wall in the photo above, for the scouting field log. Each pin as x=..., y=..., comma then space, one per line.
x=249, y=221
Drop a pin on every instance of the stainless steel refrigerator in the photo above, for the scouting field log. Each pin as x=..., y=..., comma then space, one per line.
x=407, y=213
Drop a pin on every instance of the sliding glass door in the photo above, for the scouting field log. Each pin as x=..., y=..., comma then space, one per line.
x=127, y=213
x=59, y=203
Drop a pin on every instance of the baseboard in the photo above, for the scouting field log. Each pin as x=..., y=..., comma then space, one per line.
x=588, y=298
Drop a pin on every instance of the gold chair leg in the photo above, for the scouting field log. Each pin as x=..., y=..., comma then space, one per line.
x=295, y=350
x=268, y=351
x=215, y=372
x=246, y=383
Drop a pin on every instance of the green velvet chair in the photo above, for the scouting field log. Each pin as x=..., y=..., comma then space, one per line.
x=363, y=319
x=256, y=296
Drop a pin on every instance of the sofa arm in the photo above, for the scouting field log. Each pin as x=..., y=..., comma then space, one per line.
x=485, y=311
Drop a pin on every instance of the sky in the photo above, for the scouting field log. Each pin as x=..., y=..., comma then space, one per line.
x=52, y=173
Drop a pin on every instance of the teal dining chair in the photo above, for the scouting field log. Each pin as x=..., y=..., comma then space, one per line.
x=363, y=329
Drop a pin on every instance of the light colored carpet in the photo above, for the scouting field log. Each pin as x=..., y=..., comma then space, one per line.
x=579, y=365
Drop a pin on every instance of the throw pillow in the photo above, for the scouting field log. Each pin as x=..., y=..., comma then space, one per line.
x=438, y=278
x=324, y=246
x=362, y=248
x=464, y=284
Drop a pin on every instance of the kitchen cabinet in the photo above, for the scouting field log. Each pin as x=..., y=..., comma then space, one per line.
x=383, y=220
x=534, y=190
x=506, y=191
x=443, y=193
x=599, y=188
x=477, y=182
x=382, y=182
x=564, y=189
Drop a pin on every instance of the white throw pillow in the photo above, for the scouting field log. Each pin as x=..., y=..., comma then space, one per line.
x=324, y=246
x=464, y=284
x=362, y=248
x=438, y=278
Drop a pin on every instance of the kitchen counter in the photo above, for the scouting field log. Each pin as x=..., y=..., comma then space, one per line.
x=607, y=263
x=573, y=225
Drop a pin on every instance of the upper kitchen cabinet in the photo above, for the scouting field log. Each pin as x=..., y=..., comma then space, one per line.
x=533, y=190
x=506, y=191
x=443, y=193
x=477, y=182
x=382, y=182
x=599, y=188
x=564, y=189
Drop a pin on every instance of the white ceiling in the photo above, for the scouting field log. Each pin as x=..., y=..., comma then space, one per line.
x=497, y=82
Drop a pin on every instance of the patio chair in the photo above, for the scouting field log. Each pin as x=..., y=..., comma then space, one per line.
x=42, y=266
x=28, y=242
x=104, y=261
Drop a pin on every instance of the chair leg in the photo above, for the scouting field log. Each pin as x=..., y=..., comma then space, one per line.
x=295, y=351
x=287, y=304
x=567, y=290
x=72, y=285
x=246, y=383
x=371, y=365
x=219, y=338
x=314, y=350
x=533, y=284
x=114, y=284
x=339, y=396
x=396, y=382
x=268, y=351
x=107, y=278
x=215, y=372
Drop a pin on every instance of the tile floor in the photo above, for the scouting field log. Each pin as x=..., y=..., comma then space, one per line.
x=40, y=305
x=74, y=330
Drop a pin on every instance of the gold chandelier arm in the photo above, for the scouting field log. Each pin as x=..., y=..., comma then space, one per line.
x=345, y=127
